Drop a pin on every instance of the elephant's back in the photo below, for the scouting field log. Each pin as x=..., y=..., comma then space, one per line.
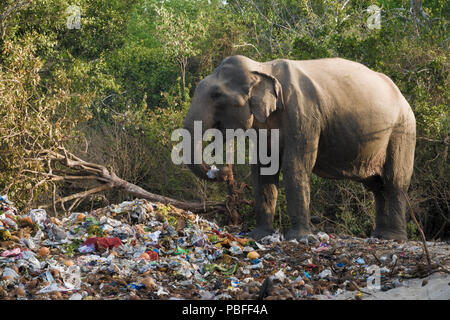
x=348, y=87
x=359, y=109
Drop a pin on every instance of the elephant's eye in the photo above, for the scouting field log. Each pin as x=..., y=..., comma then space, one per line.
x=216, y=95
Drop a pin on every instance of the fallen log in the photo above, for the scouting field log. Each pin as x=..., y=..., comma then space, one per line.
x=109, y=180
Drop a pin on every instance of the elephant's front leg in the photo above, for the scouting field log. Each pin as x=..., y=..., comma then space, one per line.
x=266, y=192
x=296, y=175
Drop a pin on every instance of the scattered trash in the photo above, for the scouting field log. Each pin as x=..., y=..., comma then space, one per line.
x=11, y=253
x=52, y=288
x=307, y=275
x=38, y=216
x=394, y=259
x=397, y=283
x=72, y=277
x=280, y=276
x=76, y=296
x=235, y=250
x=325, y=274
x=155, y=251
x=359, y=296
x=323, y=237
x=44, y=251
x=9, y=273
x=212, y=173
x=253, y=255
x=105, y=243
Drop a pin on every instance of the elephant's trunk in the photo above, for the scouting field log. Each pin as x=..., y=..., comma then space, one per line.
x=200, y=168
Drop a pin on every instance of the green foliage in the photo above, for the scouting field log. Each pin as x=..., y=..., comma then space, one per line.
x=115, y=89
x=143, y=71
x=37, y=115
x=70, y=249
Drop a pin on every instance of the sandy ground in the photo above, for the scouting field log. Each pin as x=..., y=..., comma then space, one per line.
x=437, y=288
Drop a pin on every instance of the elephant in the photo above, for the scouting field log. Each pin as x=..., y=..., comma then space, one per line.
x=336, y=118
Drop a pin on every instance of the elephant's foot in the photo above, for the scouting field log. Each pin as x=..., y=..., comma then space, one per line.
x=296, y=234
x=260, y=232
x=389, y=234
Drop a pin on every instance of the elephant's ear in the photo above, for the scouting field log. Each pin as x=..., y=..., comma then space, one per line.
x=265, y=96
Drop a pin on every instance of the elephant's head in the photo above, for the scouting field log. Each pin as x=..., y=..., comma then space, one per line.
x=240, y=93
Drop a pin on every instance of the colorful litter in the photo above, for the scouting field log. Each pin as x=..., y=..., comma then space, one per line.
x=144, y=250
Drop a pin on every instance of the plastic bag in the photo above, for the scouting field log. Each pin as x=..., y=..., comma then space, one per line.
x=72, y=278
x=280, y=276
x=325, y=274
x=38, y=216
x=323, y=237
x=8, y=272
x=10, y=223
x=52, y=288
x=235, y=250
x=11, y=253
x=212, y=173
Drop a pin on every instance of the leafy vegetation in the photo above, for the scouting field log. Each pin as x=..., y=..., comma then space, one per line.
x=115, y=89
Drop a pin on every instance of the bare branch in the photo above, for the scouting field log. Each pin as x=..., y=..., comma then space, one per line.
x=92, y=171
x=79, y=195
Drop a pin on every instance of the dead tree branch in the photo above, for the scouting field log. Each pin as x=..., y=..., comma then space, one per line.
x=424, y=240
x=109, y=180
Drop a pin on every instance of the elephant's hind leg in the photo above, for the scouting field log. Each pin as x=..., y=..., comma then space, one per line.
x=390, y=214
x=376, y=185
x=390, y=199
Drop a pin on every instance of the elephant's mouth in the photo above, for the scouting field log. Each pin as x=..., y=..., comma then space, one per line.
x=219, y=126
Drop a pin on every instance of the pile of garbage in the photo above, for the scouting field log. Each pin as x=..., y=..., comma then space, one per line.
x=143, y=250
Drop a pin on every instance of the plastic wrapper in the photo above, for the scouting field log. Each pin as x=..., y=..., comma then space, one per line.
x=8, y=272
x=325, y=274
x=11, y=253
x=52, y=288
x=38, y=216
x=236, y=250
x=10, y=223
x=280, y=276
x=212, y=172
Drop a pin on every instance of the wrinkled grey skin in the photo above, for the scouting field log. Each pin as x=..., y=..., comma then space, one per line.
x=337, y=119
